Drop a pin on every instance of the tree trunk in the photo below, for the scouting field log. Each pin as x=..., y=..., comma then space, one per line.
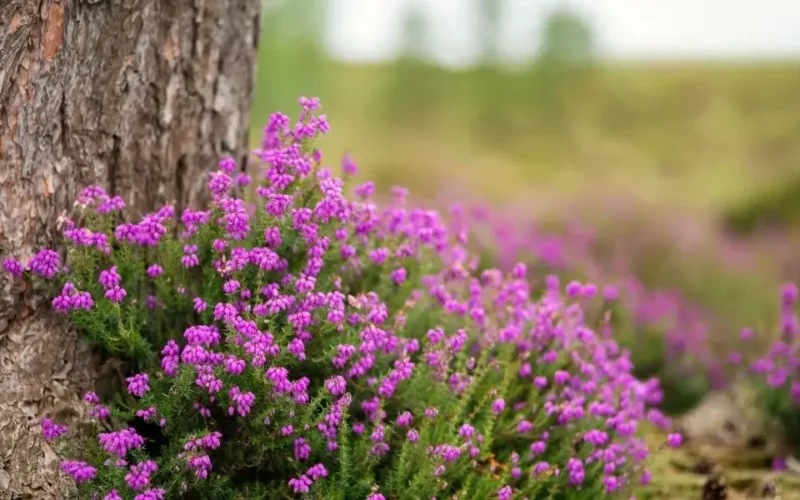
x=141, y=96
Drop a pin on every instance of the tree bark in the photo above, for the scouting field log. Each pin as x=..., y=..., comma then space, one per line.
x=141, y=96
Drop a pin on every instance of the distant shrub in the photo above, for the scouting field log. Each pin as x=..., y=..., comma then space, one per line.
x=778, y=207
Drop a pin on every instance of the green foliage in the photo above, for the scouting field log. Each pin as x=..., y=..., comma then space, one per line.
x=775, y=207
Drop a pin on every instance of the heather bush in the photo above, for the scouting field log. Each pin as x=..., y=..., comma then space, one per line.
x=776, y=372
x=668, y=334
x=293, y=341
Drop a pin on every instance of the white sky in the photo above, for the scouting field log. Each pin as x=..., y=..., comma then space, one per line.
x=369, y=29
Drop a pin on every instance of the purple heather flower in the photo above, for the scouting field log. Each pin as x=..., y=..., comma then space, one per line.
x=300, y=484
x=349, y=166
x=118, y=443
x=466, y=431
x=317, y=471
x=13, y=267
x=219, y=246
x=80, y=471
x=51, y=430
x=147, y=413
x=62, y=303
x=220, y=183
x=139, y=476
x=138, y=385
x=45, y=263
x=231, y=286
x=405, y=419
x=399, y=275
x=297, y=348
x=113, y=204
x=155, y=271
x=243, y=402
x=589, y=290
x=227, y=165
x=336, y=385
x=116, y=294
x=574, y=289
x=498, y=405
x=561, y=377
x=82, y=300
x=610, y=293
x=110, y=278
x=302, y=450
x=235, y=366
x=201, y=465
x=242, y=179
x=789, y=294
x=538, y=447
x=151, y=494
x=365, y=190
x=674, y=440
x=200, y=305
x=89, y=195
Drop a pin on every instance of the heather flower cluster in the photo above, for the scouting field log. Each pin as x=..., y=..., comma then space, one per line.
x=777, y=372
x=300, y=342
x=672, y=333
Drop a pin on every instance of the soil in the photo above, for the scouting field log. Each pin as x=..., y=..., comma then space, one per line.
x=727, y=454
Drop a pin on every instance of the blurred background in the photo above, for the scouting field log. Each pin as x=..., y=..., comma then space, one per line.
x=650, y=145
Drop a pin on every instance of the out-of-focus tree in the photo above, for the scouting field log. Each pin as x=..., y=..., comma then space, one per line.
x=491, y=96
x=567, y=41
x=416, y=31
x=413, y=87
x=292, y=57
x=564, y=65
x=489, y=17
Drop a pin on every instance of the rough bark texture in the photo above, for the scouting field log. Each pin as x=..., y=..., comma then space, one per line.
x=141, y=96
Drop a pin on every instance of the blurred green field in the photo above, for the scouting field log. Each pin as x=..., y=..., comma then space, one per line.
x=650, y=157
x=683, y=136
